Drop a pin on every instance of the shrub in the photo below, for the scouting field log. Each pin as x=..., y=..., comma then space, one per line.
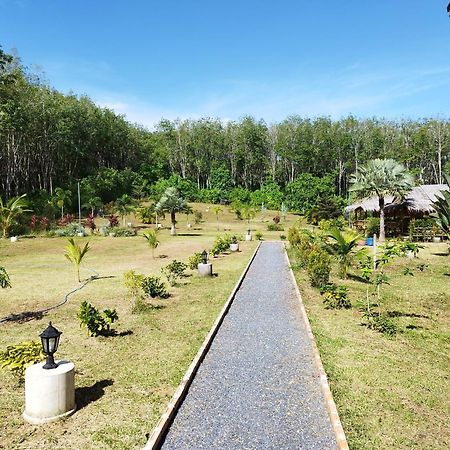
x=5, y=282
x=113, y=221
x=319, y=267
x=335, y=297
x=372, y=226
x=122, y=232
x=90, y=222
x=274, y=227
x=133, y=283
x=258, y=235
x=276, y=220
x=97, y=323
x=153, y=286
x=294, y=237
x=65, y=220
x=283, y=237
x=174, y=271
x=221, y=244
x=194, y=260
x=68, y=231
x=380, y=322
x=18, y=357
x=328, y=224
x=198, y=217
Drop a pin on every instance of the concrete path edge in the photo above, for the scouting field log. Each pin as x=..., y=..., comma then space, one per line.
x=164, y=423
x=324, y=385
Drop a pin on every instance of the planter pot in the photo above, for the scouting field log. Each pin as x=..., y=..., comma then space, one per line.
x=248, y=237
x=14, y=238
x=205, y=270
x=410, y=254
x=234, y=247
x=80, y=234
x=436, y=239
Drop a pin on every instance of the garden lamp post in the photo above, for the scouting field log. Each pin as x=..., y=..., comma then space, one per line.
x=204, y=268
x=50, y=341
x=204, y=257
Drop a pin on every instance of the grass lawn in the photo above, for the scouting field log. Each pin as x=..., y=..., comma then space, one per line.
x=391, y=393
x=123, y=382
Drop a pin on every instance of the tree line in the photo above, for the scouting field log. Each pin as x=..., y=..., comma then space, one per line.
x=49, y=139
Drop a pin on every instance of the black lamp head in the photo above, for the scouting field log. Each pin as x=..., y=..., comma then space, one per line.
x=50, y=341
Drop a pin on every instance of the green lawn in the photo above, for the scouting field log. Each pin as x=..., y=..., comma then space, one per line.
x=391, y=393
x=124, y=382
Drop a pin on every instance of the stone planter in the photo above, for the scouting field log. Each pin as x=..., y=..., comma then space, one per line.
x=410, y=254
x=13, y=238
x=234, y=247
x=205, y=270
x=248, y=237
x=49, y=394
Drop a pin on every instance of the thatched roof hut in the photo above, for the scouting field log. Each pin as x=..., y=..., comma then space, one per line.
x=418, y=203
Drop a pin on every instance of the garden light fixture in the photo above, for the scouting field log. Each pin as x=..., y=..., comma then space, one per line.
x=50, y=341
x=204, y=257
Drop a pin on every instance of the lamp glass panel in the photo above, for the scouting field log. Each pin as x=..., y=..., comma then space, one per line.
x=52, y=344
x=45, y=344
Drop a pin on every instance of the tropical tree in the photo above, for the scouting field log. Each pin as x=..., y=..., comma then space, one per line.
x=342, y=246
x=10, y=210
x=248, y=212
x=382, y=177
x=75, y=254
x=442, y=208
x=124, y=205
x=217, y=210
x=152, y=240
x=93, y=203
x=63, y=197
x=172, y=203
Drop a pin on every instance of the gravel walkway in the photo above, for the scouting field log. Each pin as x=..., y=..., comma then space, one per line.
x=258, y=386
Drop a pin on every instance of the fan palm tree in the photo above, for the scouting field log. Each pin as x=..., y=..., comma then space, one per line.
x=10, y=210
x=75, y=254
x=171, y=202
x=152, y=240
x=342, y=247
x=382, y=177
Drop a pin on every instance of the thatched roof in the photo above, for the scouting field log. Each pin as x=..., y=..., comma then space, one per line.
x=418, y=201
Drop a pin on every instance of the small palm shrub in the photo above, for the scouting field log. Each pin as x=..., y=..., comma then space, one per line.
x=152, y=240
x=194, y=260
x=335, y=297
x=154, y=287
x=97, y=323
x=319, y=267
x=18, y=357
x=174, y=271
x=75, y=254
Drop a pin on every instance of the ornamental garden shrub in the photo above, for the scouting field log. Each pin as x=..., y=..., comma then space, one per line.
x=221, y=244
x=275, y=227
x=97, y=323
x=319, y=267
x=334, y=296
x=153, y=287
x=174, y=271
x=194, y=260
x=18, y=357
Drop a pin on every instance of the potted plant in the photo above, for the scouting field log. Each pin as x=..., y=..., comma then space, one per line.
x=234, y=245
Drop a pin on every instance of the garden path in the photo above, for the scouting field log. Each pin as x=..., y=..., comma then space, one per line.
x=258, y=387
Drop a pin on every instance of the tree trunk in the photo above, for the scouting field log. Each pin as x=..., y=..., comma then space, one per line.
x=173, y=230
x=382, y=233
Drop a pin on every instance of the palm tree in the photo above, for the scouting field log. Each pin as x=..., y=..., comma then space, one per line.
x=382, y=177
x=152, y=240
x=172, y=203
x=217, y=210
x=75, y=254
x=342, y=247
x=10, y=210
x=124, y=205
x=92, y=203
x=62, y=197
x=248, y=212
x=442, y=208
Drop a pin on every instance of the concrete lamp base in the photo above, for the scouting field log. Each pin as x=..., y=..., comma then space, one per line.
x=49, y=393
x=248, y=237
x=205, y=270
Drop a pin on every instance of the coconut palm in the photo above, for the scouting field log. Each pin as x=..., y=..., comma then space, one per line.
x=75, y=254
x=171, y=202
x=124, y=205
x=63, y=197
x=10, y=210
x=93, y=203
x=152, y=240
x=342, y=247
x=217, y=210
x=382, y=177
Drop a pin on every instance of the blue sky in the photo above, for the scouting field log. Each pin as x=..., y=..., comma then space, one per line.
x=270, y=59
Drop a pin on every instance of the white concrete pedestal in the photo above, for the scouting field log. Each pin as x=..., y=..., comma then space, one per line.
x=49, y=394
x=234, y=247
x=248, y=237
x=205, y=270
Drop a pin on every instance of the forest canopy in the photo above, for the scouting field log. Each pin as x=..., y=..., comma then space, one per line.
x=49, y=139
